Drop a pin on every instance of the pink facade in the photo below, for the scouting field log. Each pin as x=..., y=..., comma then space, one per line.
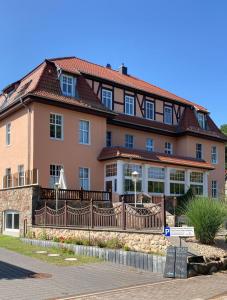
x=102, y=101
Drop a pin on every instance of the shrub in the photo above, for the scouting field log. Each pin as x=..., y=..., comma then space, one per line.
x=207, y=216
x=114, y=244
x=126, y=248
x=43, y=235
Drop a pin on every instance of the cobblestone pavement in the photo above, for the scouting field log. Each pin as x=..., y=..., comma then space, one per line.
x=212, y=287
x=17, y=280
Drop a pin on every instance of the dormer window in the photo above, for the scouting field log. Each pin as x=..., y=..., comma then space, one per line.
x=68, y=85
x=201, y=120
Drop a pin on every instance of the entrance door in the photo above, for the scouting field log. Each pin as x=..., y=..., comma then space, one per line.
x=109, y=186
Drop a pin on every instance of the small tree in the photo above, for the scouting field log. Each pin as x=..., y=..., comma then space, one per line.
x=206, y=215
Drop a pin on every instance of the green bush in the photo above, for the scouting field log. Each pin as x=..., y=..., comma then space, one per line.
x=114, y=244
x=206, y=215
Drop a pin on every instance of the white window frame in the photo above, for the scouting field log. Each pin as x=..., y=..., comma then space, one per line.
x=198, y=151
x=73, y=85
x=13, y=213
x=150, y=144
x=55, y=126
x=196, y=183
x=8, y=134
x=84, y=178
x=177, y=181
x=130, y=105
x=168, y=148
x=83, y=131
x=112, y=178
x=201, y=120
x=148, y=109
x=107, y=100
x=214, y=189
x=168, y=111
x=214, y=153
x=129, y=177
x=153, y=179
x=129, y=135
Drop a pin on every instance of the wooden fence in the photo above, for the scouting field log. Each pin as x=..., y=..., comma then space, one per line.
x=82, y=195
x=123, y=216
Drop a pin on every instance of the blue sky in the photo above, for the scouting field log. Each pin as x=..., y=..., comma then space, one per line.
x=179, y=45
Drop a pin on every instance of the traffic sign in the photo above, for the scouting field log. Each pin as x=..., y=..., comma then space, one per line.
x=179, y=231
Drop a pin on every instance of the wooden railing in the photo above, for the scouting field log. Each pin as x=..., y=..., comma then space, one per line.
x=82, y=195
x=28, y=177
x=123, y=216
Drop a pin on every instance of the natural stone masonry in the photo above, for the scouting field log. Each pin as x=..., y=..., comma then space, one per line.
x=21, y=199
x=143, y=242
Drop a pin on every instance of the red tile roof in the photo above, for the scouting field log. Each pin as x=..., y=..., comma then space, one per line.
x=137, y=154
x=76, y=65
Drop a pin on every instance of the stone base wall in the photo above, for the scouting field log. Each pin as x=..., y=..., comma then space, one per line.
x=21, y=199
x=143, y=242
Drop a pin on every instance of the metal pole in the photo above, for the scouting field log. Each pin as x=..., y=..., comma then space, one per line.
x=56, y=198
x=135, y=191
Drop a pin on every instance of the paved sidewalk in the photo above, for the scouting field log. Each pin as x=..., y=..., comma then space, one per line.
x=16, y=271
x=213, y=287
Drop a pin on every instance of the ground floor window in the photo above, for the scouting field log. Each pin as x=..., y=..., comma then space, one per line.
x=197, y=189
x=11, y=220
x=129, y=185
x=156, y=187
x=177, y=182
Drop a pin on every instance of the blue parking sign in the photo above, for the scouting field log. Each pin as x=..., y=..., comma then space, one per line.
x=167, y=231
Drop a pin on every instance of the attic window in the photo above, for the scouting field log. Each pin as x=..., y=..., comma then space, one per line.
x=68, y=85
x=201, y=120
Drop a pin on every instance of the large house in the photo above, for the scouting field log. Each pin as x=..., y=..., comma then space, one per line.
x=100, y=125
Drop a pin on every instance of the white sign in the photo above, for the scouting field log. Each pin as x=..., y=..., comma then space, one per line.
x=179, y=231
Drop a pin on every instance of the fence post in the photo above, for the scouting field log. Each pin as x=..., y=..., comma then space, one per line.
x=45, y=213
x=81, y=194
x=92, y=213
x=163, y=208
x=123, y=215
x=65, y=217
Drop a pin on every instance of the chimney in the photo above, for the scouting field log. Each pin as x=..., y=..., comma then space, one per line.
x=108, y=66
x=123, y=70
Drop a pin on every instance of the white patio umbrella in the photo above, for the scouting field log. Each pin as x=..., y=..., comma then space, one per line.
x=61, y=184
x=62, y=181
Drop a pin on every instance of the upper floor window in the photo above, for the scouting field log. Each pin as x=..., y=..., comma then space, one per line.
x=129, y=141
x=84, y=132
x=68, y=85
x=201, y=120
x=8, y=178
x=107, y=98
x=199, y=151
x=54, y=174
x=214, y=155
x=149, y=110
x=8, y=134
x=21, y=175
x=168, y=115
x=168, y=148
x=129, y=105
x=108, y=139
x=149, y=145
x=56, y=126
x=84, y=178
